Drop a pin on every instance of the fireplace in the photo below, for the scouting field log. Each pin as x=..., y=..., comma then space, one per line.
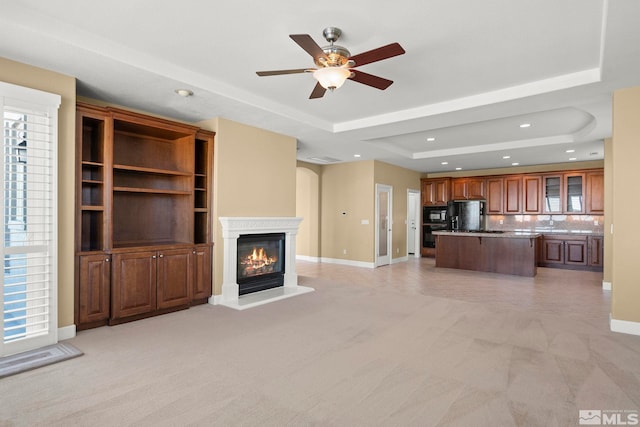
x=244, y=288
x=260, y=262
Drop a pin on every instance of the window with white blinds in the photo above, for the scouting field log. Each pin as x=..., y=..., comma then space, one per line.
x=29, y=233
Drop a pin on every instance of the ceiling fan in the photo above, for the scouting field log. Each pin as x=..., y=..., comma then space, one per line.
x=335, y=63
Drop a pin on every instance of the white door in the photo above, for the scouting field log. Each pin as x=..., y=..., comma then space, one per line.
x=413, y=215
x=383, y=224
x=28, y=181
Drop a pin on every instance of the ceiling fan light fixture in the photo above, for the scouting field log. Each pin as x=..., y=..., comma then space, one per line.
x=331, y=77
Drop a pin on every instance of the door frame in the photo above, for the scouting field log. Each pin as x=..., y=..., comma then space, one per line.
x=413, y=196
x=384, y=260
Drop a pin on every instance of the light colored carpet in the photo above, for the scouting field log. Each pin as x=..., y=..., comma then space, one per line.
x=402, y=345
x=22, y=362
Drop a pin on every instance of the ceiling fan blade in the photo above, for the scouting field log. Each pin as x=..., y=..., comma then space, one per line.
x=307, y=43
x=279, y=72
x=370, y=80
x=384, y=52
x=318, y=91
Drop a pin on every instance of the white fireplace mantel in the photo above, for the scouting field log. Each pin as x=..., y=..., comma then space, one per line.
x=234, y=227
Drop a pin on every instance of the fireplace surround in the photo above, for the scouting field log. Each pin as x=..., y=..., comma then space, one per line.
x=232, y=229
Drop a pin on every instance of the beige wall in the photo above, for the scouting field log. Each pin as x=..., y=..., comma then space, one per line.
x=401, y=180
x=254, y=175
x=625, y=301
x=308, y=207
x=347, y=197
x=65, y=86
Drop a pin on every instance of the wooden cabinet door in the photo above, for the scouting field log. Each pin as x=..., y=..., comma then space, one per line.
x=201, y=272
x=552, y=251
x=531, y=201
x=552, y=194
x=494, y=195
x=596, y=252
x=476, y=188
x=133, y=289
x=435, y=192
x=512, y=194
x=459, y=189
x=575, y=252
x=94, y=289
x=595, y=193
x=174, y=277
x=574, y=187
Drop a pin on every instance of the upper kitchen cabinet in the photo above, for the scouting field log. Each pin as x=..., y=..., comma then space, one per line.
x=531, y=200
x=595, y=192
x=564, y=193
x=435, y=192
x=574, y=185
x=468, y=188
x=494, y=195
x=512, y=194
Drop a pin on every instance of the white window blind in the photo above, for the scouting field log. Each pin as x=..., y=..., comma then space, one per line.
x=29, y=148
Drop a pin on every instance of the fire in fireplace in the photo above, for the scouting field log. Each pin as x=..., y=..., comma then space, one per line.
x=260, y=262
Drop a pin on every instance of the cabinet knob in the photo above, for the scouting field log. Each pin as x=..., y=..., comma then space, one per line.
x=107, y=259
x=194, y=252
x=153, y=257
x=161, y=256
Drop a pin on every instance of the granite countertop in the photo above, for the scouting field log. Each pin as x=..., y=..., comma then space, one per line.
x=490, y=233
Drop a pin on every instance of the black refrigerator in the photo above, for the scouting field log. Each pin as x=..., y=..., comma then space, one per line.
x=466, y=215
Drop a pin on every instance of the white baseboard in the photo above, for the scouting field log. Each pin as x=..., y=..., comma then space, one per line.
x=624, y=326
x=215, y=299
x=348, y=262
x=66, y=332
x=606, y=286
x=308, y=258
x=398, y=260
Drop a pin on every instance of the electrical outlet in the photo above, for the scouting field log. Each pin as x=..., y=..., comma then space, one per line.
x=501, y=221
x=344, y=251
x=551, y=222
x=595, y=222
x=397, y=250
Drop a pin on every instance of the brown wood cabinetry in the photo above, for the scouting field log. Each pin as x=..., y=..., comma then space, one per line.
x=595, y=192
x=531, y=200
x=94, y=292
x=143, y=195
x=512, y=194
x=436, y=191
x=468, y=188
x=573, y=252
x=494, y=195
x=564, y=193
x=201, y=273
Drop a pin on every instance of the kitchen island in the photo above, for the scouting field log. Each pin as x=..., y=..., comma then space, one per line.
x=497, y=252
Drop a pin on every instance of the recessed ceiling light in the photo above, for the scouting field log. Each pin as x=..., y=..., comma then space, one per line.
x=515, y=164
x=356, y=155
x=506, y=157
x=184, y=92
x=573, y=158
x=525, y=125
x=444, y=163
x=458, y=169
x=570, y=151
x=431, y=139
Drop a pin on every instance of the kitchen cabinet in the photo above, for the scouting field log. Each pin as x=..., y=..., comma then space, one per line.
x=572, y=252
x=93, y=296
x=512, y=194
x=596, y=251
x=143, y=199
x=595, y=192
x=468, y=189
x=531, y=200
x=494, y=195
x=564, y=193
x=435, y=191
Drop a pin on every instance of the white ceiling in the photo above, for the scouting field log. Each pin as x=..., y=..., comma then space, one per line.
x=472, y=73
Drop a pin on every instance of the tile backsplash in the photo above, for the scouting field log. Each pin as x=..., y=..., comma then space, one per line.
x=591, y=224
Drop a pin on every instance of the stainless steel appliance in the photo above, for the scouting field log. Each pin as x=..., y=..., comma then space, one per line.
x=466, y=215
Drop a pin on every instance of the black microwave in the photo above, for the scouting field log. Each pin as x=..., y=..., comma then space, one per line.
x=434, y=214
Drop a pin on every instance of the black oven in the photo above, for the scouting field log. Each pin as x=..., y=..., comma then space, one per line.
x=428, y=239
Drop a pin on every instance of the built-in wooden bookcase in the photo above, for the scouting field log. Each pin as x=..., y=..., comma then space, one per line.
x=143, y=190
